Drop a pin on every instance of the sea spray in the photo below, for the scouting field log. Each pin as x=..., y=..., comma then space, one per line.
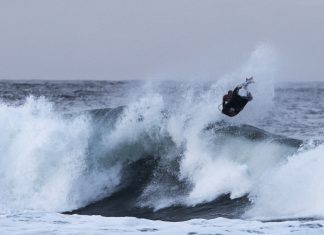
x=291, y=190
x=43, y=159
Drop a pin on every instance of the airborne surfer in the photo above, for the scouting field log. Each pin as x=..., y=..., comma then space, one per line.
x=233, y=103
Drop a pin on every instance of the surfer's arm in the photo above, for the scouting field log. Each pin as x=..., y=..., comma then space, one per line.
x=245, y=85
x=236, y=90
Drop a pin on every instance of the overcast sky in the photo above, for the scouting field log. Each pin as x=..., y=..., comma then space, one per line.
x=165, y=39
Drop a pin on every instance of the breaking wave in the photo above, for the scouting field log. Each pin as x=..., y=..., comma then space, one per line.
x=141, y=156
x=163, y=157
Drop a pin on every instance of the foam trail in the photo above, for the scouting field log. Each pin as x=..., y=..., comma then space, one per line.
x=292, y=190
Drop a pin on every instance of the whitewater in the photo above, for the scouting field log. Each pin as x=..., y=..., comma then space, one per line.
x=118, y=157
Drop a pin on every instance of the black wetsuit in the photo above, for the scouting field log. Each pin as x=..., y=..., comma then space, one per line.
x=236, y=104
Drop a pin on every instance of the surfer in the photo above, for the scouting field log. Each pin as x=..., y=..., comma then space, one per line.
x=233, y=103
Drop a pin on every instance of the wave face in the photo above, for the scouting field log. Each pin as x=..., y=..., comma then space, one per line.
x=137, y=160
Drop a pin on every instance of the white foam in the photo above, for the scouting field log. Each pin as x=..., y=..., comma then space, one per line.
x=52, y=223
x=43, y=159
x=293, y=189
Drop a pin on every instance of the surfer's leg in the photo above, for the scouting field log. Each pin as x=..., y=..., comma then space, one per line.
x=247, y=83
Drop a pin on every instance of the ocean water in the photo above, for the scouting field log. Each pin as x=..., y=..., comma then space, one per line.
x=100, y=157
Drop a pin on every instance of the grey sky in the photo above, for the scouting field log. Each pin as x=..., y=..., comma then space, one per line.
x=147, y=39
